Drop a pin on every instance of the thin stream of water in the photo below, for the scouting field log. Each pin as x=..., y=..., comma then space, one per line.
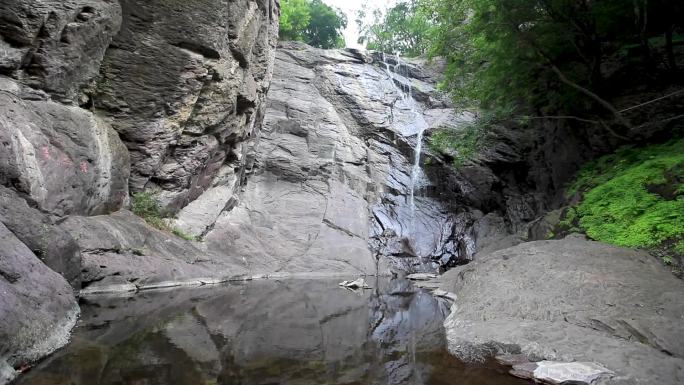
x=419, y=124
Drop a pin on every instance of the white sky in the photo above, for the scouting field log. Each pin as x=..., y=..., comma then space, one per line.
x=350, y=7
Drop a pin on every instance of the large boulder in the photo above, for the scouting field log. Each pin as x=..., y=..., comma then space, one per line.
x=49, y=242
x=571, y=300
x=122, y=253
x=37, y=307
x=64, y=159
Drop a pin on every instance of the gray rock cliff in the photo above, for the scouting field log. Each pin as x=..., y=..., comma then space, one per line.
x=100, y=99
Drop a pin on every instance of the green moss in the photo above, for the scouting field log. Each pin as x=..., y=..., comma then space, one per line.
x=679, y=247
x=181, y=234
x=461, y=143
x=633, y=198
x=146, y=206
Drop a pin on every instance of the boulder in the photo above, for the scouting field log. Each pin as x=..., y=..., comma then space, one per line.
x=63, y=158
x=37, y=307
x=571, y=300
x=123, y=253
x=49, y=242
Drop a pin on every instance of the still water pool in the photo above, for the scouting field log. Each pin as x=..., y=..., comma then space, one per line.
x=261, y=333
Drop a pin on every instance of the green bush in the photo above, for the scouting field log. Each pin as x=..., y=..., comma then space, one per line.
x=148, y=208
x=635, y=197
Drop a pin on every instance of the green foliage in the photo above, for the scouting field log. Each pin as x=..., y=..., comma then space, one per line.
x=404, y=28
x=542, y=54
x=147, y=207
x=634, y=198
x=570, y=221
x=461, y=143
x=668, y=260
x=464, y=142
x=312, y=22
x=679, y=247
x=294, y=18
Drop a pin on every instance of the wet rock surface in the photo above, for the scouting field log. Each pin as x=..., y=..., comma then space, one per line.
x=333, y=172
x=264, y=332
x=571, y=300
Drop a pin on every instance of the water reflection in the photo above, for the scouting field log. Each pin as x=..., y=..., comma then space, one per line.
x=263, y=332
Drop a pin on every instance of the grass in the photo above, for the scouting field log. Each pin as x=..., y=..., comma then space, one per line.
x=633, y=198
x=148, y=208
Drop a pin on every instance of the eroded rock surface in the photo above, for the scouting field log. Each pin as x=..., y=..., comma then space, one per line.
x=64, y=158
x=332, y=173
x=100, y=98
x=571, y=300
x=37, y=307
x=122, y=253
x=183, y=84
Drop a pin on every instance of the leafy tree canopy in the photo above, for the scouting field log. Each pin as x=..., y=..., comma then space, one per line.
x=542, y=54
x=404, y=29
x=312, y=22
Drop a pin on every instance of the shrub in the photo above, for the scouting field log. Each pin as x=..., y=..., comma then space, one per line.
x=634, y=198
x=148, y=208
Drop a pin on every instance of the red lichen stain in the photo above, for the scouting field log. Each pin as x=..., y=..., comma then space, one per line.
x=65, y=161
x=46, y=152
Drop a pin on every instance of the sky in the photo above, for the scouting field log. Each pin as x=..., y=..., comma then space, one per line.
x=350, y=7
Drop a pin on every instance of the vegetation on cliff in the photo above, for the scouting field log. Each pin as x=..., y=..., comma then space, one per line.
x=633, y=198
x=312, y=22
x=148, y=208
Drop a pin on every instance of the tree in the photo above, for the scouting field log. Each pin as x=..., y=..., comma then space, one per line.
x=403, y=29
x=312, y=22
x=547, y=54
x=326, y=25
x=294, y=18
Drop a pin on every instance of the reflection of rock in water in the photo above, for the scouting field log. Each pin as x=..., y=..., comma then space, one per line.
x=268, y=332
x=406, y=323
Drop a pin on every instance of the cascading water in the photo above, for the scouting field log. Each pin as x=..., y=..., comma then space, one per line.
x=418, y=127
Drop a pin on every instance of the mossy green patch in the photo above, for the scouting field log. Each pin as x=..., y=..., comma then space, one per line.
x=460, y=143
x=633, y=198
x=146, y=206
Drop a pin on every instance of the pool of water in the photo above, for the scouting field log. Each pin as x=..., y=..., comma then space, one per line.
x=264, y=332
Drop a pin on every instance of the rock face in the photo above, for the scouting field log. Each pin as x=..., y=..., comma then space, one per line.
x=37, y=306
x=63, y=158
x=332, y=172
x=99, y=98
x=183, y=84
x=571, y=300
x=121, y=253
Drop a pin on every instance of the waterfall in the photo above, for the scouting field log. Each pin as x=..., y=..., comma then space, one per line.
x=419, y=123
